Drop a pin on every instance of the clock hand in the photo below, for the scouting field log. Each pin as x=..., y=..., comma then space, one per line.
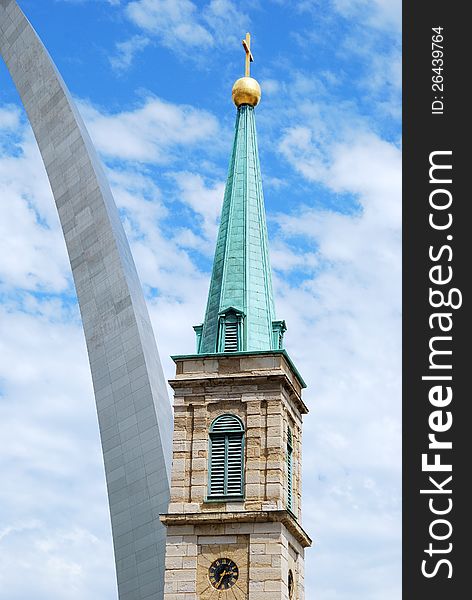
x=221, y=579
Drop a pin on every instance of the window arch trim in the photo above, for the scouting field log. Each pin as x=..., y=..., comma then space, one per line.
x=227, y=422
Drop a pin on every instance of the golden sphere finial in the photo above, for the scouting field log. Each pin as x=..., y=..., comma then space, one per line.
x=246, y=90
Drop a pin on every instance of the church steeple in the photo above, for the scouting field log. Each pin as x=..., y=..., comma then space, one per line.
x=240, y=314
x=234, y=529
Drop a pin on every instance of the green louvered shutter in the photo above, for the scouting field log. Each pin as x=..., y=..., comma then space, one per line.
x=289, y=470
x=218, y=460
x=231, y=336
x=234, y=473
x=226, y=457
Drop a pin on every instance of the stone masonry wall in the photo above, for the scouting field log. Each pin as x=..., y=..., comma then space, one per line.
x=267, y=405
x=263, y=552
x=265, y=393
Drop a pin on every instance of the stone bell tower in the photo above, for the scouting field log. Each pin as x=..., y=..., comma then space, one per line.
x=234, y=520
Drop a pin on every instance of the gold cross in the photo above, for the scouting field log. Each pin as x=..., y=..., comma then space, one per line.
x=249, y=56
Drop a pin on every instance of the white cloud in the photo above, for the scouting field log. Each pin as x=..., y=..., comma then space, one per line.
x=126, y=51
x=378, y=13
x=55, y=527
x=382, y=76
x=110, y=2
x=162, y=261
x=205, y=201
x=271, y=86
x=347, y=304
x=55, y=534
x=363, y=37
x=350, y=310
x=9, y=118
x=337, y=281
x=186, y=30
x=286, y=259
x=149, y=133
x=30, y=239
x=173, y=21
x=226, y=21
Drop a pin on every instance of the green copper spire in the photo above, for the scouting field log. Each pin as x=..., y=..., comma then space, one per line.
x=240, y=313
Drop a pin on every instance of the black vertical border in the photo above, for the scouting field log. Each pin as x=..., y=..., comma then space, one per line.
x=424, y=133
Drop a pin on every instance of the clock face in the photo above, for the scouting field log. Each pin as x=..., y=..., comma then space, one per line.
x=223, y=573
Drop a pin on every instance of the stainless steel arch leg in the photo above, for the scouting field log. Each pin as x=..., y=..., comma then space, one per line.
x=133, y=408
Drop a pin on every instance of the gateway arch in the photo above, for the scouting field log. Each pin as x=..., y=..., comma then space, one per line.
x=133, y=407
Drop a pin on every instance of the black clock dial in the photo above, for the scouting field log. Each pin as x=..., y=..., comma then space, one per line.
x=223, y=573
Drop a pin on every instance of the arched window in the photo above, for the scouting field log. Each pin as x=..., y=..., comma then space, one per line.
x=289, y=469
x=225, y=472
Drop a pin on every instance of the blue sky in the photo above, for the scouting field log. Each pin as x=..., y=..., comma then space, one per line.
x=153, y=81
